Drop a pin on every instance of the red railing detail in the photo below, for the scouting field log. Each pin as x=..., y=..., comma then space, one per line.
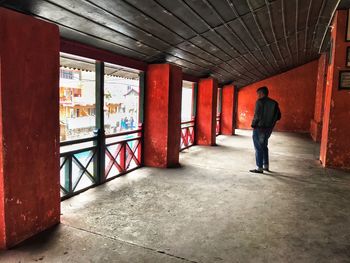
x=187, y=134
x=124, y=154
x=218, y=124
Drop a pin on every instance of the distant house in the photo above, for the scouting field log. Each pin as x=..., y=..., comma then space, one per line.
x=131, y=100
x=78, y=105
x=77, y=102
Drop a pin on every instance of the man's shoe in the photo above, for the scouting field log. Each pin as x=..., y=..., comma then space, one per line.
x=256, y=171
x=266, y=169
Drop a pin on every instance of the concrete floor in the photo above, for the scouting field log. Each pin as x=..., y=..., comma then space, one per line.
x=210, y=210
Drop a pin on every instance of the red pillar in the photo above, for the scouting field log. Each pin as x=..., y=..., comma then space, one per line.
x=335, y=143
x=206, y=111
x=29, y=130
x=316, y=122
x=162, y=115
x=228, y=110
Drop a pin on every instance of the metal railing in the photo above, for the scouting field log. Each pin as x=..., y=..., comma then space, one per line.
x=218, y=124
x=187, y=134
x=82, y=167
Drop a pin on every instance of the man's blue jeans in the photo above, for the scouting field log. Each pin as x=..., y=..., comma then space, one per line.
x=261, y=138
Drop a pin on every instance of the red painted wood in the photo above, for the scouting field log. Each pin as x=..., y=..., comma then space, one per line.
x=162, y=129
x=140, y=147
x=130, y=155
x=174, y=119
x=335, y=142
x=29, y=118
x=112, y=160
x=122, y=156
x=187, y=134
x=218, y=125
x=79, y=49
x=295, y=92
x=206, y=112
x=228, y=110
x=316, y=122
x=2, y=188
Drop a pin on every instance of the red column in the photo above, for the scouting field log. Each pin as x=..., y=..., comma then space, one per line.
x=335, y=143
x=316, y=122
x=228, y=110
x=29, y=124
x=162, y=115
x=206, y=111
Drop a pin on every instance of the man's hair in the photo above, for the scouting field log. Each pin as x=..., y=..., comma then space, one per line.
x=264, y=90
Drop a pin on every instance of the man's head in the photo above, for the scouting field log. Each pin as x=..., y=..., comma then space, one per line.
x=262, y=92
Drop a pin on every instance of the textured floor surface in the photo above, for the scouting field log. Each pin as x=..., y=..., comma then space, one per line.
x=209, y=210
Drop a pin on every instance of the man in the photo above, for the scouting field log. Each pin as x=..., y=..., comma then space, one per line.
x=266, y=114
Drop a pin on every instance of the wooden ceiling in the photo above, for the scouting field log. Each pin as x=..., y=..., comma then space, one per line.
x=239, y=41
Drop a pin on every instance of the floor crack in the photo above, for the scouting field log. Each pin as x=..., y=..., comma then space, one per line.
x=131, y=243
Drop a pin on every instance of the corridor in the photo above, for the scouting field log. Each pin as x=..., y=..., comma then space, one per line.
x=209, y=210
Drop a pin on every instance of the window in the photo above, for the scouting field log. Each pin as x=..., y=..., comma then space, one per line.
x=219, y=99
x=77, y=97
x=66, y=74
x=121, y=98
x=218, y=111
x=79, y=158
x=187, y=101
x=187, y=115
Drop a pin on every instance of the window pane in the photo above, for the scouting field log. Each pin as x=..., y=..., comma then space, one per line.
x=77, y=97
x=218, y=105
x=121, y=108
x=186, y=104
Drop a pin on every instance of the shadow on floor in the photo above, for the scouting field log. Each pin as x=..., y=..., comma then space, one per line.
x=40, y=241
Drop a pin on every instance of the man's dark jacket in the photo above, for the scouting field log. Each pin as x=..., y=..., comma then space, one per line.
x=267, y=113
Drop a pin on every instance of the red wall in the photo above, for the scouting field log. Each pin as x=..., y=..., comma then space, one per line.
x=29, y=117
x=295, y=92
x=335, y=142
x=316, y=122
x=320, y=90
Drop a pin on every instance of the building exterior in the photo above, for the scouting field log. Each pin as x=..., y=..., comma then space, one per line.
x=78, y=109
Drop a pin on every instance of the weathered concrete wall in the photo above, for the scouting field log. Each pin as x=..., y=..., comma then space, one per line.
x=206, y=112
x=174, y=120
x=29, y=118
x=162, y=126
x=228, y=110
x=316, y=122
x=295, y=92
x=335, y=142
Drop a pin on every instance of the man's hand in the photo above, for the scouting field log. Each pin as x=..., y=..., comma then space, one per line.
x=257, y=114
